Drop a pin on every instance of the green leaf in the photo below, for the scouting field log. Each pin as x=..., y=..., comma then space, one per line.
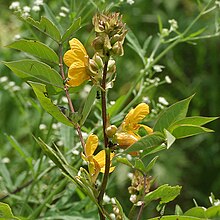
x=196, y=212
x=73, y=28
x=152, y=150
x=113, y=110
x=169, y=138
x=20, y=150
x=6, y=213
x=124, y=161
x=151, y=140
x=5, y=173
x=175, y=217
x=37, y=49
x=151, y=164
x=52, y=17
x=165, y=193
x=134, y=44
x=183, y=131
x=121, y=212
x=160, y=24
x=47, y=104
x=88, y=104
x=146, y=43
x=52, y=154
x=139, y=165
x=172, y=114
x=194, y=120
x=37, y=71
x=196, y=33
x=213, y=212
x=46, y=26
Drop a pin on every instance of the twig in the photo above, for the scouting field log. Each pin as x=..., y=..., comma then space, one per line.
x=107, y=151
x=143, y=203
x=78, y=128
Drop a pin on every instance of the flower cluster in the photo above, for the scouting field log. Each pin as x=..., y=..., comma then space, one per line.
x=25, y=10
x=138, y=184
x=128, y=132
x=110, y=34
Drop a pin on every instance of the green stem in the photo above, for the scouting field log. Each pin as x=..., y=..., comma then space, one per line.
x=107, y=151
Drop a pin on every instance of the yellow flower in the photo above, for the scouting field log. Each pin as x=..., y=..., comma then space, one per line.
x=127, y=133
x=96, y=163
x=77, y=60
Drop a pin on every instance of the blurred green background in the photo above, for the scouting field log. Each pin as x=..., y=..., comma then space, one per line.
x=193, y=163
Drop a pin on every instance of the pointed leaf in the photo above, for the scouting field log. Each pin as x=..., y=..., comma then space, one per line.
x=146, y=43
x=37, y=71
x=172, y=114
x=151, y=140
x=135, y=45
x=194, y=120
x=37, y=49
x=51, y=153
x=169, y=137
x=152, y=150
x=47, y=104
x=6, y=213
x=113, y=110
x=183, y=131
x=73, y=28
x=196, y=212
x=121, y=212
x=46, y=26
x=165, y=193
x=151, y=164
x=125, y=161
x=88, y=104
x=52, y=17
x=20, y=150
x=139, y=165
x=213, y=212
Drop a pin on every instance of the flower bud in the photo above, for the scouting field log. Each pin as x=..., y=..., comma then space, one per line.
x=124, y=140
x=98, y=60
x=111, y=130
x=107, y=44
x=111, y=66
x=98, y=43
x=93, y=67
x=117, y=49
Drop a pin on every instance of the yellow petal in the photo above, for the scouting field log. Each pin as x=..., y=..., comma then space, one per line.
x=125, y=140
x=110, y=170
x=77, y=76
x=147, y=129
x=68, y=57
x=78, y=49
x=91, y=145
x=137, y=114
x=100, y=158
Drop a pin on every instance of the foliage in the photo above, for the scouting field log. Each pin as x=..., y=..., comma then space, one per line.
x=123, y=139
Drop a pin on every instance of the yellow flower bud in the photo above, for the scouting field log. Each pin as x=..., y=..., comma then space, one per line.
x=111, y=130
x=124, y=140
